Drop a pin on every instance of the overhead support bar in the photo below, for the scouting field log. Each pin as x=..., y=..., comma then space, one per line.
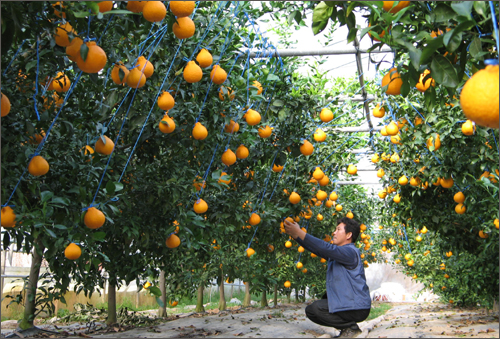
x=356, y=98
x=357, y=183
x=354, y=129
x=310, y=52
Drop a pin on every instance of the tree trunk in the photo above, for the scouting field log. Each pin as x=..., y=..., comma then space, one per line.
x=304, y=295
x=199, y=302
x=162, y=311
x=29, y=303
x=247, y=299
x=111, y=305
x=263, y=299
x=288, y=296
x=222, y=297
x=232, y=285
x=296, y=295
x=275, y=295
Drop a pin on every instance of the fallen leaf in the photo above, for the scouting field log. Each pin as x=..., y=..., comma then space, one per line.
x=238, y=334
x=490, y=330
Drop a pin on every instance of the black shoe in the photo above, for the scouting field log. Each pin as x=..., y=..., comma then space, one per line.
x=351, y=332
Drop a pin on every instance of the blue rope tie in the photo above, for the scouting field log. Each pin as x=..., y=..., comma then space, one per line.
x=14, y=57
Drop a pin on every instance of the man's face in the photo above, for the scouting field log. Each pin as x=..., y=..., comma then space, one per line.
x=339, y=236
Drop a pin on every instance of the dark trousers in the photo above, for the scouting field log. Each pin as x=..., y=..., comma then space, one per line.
x=318, y=312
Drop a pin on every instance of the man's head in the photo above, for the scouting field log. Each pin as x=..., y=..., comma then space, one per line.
x=347, y=231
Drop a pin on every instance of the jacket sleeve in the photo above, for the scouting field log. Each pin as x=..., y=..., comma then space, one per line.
x=344, y=255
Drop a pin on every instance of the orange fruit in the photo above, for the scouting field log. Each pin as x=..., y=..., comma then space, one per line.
x=326, y=115
x=198, y=185
x=242, y=152
x=200, y=206
x=182, y=8
x=218, y=75
x=403, y=180
x=380, y=173
x=252, y=117
x=225, y=181
x=94, y=218
x=8, y=217
x=459, y=197
x=392, y=128
x=318, y=174
x=61, y=82
x=415, y=181
x=135, y=78
x=258, y=86
x=287, y=284
x=319, y=135
x=254, y=219
x=118, y=77
x=173, y=241
x=105, y=6
x=338, y=207
x=351, y=169
x=381, y=34
x=184, y=28
x=424, y=86
x=378, y=112
x=375, y=158
x=393, y=82
x=61, y=34
x=401, y=4
x=496, y=223
x=166, y=101
x=349, y=215
x=199, y=131
x=95, y=61
x=145, y=66
x=306, y=148
x=288, y=244
x=204, y=58
x=249, y=252
x=270, y=248
x=228, y=157
x=226, y=92
x=72, y=251
x=265, y=132
x=333, y=196
x=136, y=6
x=167, y=125
x=277, y=168
x=59, y=5
x=468, y=128
x=104, y=147
x=73, y=49
x=192, y=72
x=436, y=143
x=460, y=209
x=483, y=235
x=447, y=183
x=154, y=11
x=299, y=265
x=38, y=166
x=233, y=127
x=5, y=105
x=294, y=198
x=329, y=203
x=324, y=181
x=479, y=97
x=321, y=195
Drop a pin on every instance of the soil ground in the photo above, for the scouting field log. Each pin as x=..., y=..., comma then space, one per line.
x=404, y=320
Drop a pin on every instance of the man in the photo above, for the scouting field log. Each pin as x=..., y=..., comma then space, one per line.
x=347, y=300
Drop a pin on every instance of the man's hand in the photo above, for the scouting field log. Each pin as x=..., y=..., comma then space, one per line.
x=293, y=229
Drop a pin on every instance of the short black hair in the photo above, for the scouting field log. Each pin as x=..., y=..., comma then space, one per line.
x=352, y=226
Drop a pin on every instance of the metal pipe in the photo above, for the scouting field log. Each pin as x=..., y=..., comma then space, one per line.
x=357, y=183
x=353, y=129
x=309, y=52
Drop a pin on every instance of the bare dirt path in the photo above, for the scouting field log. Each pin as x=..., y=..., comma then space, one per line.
x=404, y=320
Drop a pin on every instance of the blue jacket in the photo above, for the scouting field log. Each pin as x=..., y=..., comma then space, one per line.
x=345, y=277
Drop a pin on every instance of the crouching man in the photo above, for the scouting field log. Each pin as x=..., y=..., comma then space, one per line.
x=347, y=299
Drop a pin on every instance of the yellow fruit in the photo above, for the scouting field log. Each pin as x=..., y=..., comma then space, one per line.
x=321, y=195
x=192, y=72
x=396, y=139
x=436, y=143
x=146, y=285
x=166, y=101
x=38, y=166
x=265, y=132
x=442, y=266
x=154, y=11
x=319, y=217
x=173, y=241
x=299, y=265
x=204, y=59
x=410, y=262
x=382, y=194
x=288, y=244
x=233, y=127
x=184, y=28
x=226, y=92
x=252, y=117
x=199, y=131
x=167, y=125
x=460, y=209
x=479, y=97
x=318, y=173
x=415, y=181
x=146, y=67
x=403, y=180
x=349, y=215
x=306, y=148
x=95, y=61
x=200, y=206
x=94, y=218
x=397, y=199
x=300, y=249
x=351, y=169
x=182, y=8
x=72, y=251
x=334, y=196
x=115, y=73
x=447, y=183
x=424, y=86
x=319, y=135
x=250, y=251
x=392, y=128
x=5, y=105
x=324, y=181
x=468, y=128
x=287, y=284
x=394, y=158
x=61, y=82
x=228, y=157
x=135, y=78
x=393, y=82
x=242, y=152
x=294, y=198
x=449, y=254
x=326, y=115
x=378, y=112
x=496, y=223
x=380, y=173
x=259, y=87
x=338, y=207
x=401, y=4
x=383, y=131
x=218, y=75
x=8, y=217
x=375, y=158
x=418, y=238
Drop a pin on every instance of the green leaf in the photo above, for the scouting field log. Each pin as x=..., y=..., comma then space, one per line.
x=475, y=49
x=480, y=8
x=443, y=72
x=431, y=47
x=352, y=34
x=120, y=11
x=60, y=200
x=82, y=14
x=272, y=77
x=160, y=302
x=110, y=187
x=452, y=40
x=46, y=195
x=50, y=232
x=84, y=50
x=94, y=7
x=155, y=291
x=99, y=236
x=321, y=15
x=463, y=8
x=278, y=103
x=61, y=227
x=442, y=13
